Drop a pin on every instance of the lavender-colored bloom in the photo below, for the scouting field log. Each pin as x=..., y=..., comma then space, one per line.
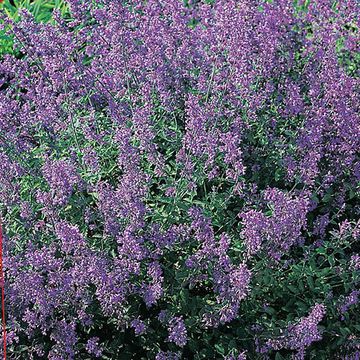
x=92, y=347
x=65, y=339
x=177, y=331
x=351, y=299
x=353, y=356
x=301, y=335
x=138, y=326
x=234, y=285
x=163, y=316
x=355, y=262
x=167, y=355
x=320, y=225
x=255, y=225
x=62, y=178
x=234, y=107
x=241, y=356
x=70, y=237
x=152, y=292
x=282, y=229
x=26, y=211
x=91, y=159
x=9, y=189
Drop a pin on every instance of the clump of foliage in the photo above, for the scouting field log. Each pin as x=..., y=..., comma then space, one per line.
x=181, y=180
x=40, y=9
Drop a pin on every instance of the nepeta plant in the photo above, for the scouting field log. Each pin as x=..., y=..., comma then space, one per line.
x=181, y=180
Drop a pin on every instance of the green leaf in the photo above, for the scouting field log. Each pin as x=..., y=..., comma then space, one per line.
x=310, y=282
x=331, y=260
x=220, y=349
x=293, y=289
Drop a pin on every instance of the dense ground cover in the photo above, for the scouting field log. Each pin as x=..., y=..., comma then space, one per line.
x=181, y=179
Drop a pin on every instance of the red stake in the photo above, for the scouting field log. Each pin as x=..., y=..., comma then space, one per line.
x=2, y=280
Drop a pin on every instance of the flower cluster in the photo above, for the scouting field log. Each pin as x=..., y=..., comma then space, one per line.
x=177, y=331
x=279, y=232
x=180, y=179
x=300, y=336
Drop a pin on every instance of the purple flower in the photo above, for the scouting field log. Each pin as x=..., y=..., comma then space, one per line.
x=351, y=299
x=153, y=291
x=138, y=326
x=167, y=355
x=355, y=262
x=91, y=159
x=93, y=348
x=177, y=331
x=70, y=237
x=163, y=316
x=301, y=335
x=240, y=356
x=233, y=106
x=62, y=178
x=282, y=229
